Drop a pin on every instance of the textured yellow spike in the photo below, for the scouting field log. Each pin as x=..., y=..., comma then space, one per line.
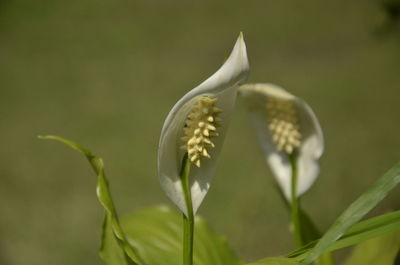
x=205, y=111
x=195, y=108
x=207, y=141
x=289, y=149
x=213, y=100
x=191, y=151
x=283, y=124
x=205, y=153
x=191, y=141
x=217, y=110
x=185, y=138
x=201, y=125
x=192, y=116
x=214, y=134
x=194, y=157
x=211, y=127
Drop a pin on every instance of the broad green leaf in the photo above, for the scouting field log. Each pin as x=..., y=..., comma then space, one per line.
x=117, y=251
x=378, y=251
x=276, y=261
x=362, y=231
x=157, y=235
x=355, y=212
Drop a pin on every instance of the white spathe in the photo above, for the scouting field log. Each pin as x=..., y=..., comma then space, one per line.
x=223, y=85
x=312, y=141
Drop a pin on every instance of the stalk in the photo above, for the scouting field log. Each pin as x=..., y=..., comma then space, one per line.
x=295, y=203
x=188, y=220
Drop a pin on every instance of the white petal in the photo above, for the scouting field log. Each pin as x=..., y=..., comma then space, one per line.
x=222, y=84
x=312, y=143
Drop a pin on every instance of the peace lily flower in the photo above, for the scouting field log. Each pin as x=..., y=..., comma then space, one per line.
x=196, y=126
x=285, y=126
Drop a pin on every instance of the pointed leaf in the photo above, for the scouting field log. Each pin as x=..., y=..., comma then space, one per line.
x=356, y=211
x=378, y=251
x=117, y=251
x=362, y=231
x=157, y=234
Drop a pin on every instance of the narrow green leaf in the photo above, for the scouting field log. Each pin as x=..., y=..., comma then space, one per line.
x=157, y=234
x=355, y=212
x=308, y=229
x=276, y=261
x=369, y=229
x=310, y=233
x=118, y=252
x=378, y=251
x=365, y=230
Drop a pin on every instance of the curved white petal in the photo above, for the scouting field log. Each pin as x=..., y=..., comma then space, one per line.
x=222, y=84
x=312, y=144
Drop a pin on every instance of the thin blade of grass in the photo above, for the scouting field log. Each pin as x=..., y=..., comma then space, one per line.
x=355, y=212
x=111, y=227
x=362, y=231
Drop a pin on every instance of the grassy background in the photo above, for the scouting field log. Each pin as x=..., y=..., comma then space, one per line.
x=106, y=73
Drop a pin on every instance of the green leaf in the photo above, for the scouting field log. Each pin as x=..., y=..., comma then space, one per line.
x=368, y=229
x=157, y=235
x=276, y=261
x=355, y=212
x=364, y=230
x=378, y=251
x=110, y=251
x=117, y=251
x=309, y=230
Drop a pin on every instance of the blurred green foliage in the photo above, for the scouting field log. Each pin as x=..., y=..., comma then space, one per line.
x=106, y=73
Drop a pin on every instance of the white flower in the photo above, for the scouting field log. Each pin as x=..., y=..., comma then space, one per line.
x=197, y=125
x=285, y=125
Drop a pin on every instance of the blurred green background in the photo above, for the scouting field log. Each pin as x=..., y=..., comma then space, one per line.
x=106, y=73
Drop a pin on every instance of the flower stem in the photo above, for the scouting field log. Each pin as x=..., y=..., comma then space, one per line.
x=188, y=220
x=295, y=203
x=324, y=259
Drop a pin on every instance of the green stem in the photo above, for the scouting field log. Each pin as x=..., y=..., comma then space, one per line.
x=295, y=206
x=324, y=259
x=188, y=220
